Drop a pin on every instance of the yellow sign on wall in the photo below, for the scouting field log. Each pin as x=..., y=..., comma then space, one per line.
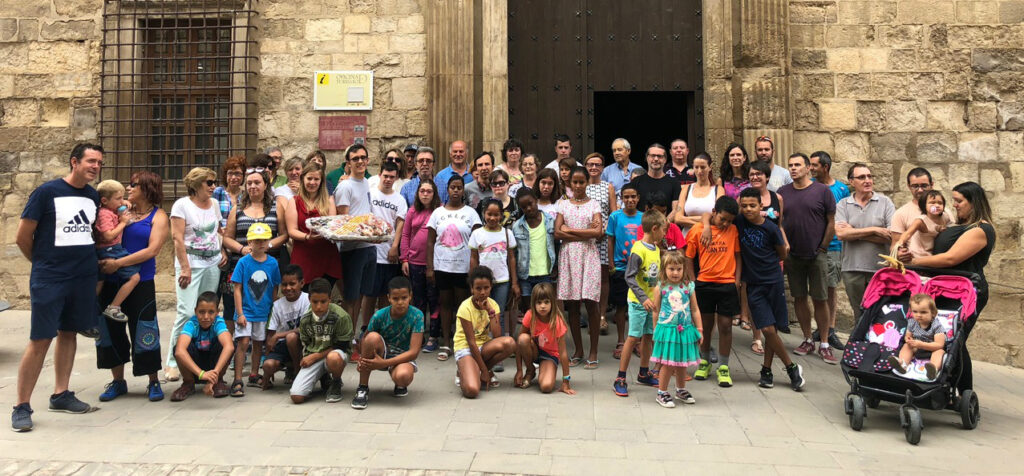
x=343, y=90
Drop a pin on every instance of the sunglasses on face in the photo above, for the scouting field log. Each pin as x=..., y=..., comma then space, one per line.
x=500, y=183
x=210, y=183
x=393, y=160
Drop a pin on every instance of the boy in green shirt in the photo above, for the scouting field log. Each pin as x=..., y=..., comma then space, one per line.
x=325, y=331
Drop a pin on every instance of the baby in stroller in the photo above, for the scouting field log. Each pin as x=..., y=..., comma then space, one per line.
x=925, y=338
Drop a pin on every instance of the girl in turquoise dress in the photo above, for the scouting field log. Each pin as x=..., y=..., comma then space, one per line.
x=677, y=334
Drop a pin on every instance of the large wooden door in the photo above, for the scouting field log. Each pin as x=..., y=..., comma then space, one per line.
x=562, y=52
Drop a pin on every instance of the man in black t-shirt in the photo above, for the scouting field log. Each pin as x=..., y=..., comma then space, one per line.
x=680, y=167
x=656, y=180
x=55, y=235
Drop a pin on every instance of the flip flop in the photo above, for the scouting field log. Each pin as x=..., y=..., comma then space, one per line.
x=575, y=361
x=736, y=321
x=744, y=325
x=757, y=347
x=494, y=383
x=617, y=353
x=591, y=364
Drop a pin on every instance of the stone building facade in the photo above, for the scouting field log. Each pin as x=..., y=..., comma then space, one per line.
x=895, y=83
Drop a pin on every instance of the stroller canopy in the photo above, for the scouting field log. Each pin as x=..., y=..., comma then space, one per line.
x=892, y=282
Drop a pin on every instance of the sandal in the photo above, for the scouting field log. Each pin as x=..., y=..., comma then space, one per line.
x=237, y=389
x=183, y=392
x=757, y=347
x=617, y=353
x=443, y=353
x=220, y=390
x=268, y=383
x=744, y=325
x=736, y=321
x=604, y=326
x=591, y=364
x=575, y=361
x=494, y=383
x=255, y=380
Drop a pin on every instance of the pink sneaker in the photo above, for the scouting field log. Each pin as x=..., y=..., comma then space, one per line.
x=826, y=354
x=804, y=348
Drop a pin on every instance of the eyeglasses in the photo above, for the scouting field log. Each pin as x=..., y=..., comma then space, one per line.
x=920, y=186
x=500, y=183
x=210, y=183
x=358, y=158
x=864, y=177
x=424, y=161
x=234, y=173
x=594, y=165
x=661, y=156
x=255, y=170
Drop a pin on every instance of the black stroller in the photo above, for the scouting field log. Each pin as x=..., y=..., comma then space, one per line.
x=879, y=333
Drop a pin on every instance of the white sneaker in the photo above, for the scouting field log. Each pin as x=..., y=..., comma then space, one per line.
x=665, y=400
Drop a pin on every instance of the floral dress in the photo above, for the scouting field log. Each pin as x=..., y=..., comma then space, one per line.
x=598, y=192
x=579, y=262
x=675, y=336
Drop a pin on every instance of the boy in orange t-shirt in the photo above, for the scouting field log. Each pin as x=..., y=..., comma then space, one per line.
x=717, y=284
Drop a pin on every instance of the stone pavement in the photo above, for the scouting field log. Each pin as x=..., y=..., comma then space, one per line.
x=506, y=430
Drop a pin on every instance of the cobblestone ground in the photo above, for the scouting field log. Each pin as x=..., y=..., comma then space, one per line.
x=434, y=431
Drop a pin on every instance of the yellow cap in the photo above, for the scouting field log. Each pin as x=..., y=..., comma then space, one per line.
x=258, y=231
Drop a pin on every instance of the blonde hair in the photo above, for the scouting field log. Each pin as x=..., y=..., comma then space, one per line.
x=320, y=200
x=108, y=188
x=653, y=219
x=545, y=291
x=196, y=177
x=674, y=257
x=922, y=298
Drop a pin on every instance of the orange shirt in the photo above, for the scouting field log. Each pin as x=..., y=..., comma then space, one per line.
x=718, y=261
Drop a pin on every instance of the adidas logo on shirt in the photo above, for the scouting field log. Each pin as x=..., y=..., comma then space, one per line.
x=79, y=223
x=73, y=221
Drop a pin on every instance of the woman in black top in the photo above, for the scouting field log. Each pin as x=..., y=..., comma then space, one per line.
x=965, y=246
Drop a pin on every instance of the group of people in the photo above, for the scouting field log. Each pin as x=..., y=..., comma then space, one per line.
x=488, y=260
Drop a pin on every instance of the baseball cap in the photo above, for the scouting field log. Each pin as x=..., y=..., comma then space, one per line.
x=412, y=147
x=258, y=231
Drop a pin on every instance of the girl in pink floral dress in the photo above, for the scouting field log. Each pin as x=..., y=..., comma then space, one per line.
x=578, y=225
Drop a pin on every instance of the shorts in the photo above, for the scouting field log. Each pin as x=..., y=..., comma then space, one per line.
x=834, y=267
x=255, y=330
x=617, y=289
x=390, y=352
x=280, y=352
x=358, y=267
x=767, y=304
x=465, y=353
x=383, y=275
x=807, y=276
x=542, y=355
x=526, y=285
x=307, y=377
x=448, y=281
x=641, y=322
x=62, y=306
x=207, y=359
x=115, y=252
x=717, y=298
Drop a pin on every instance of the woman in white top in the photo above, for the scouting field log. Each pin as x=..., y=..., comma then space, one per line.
x=698, y=198
x=528, y=165
x=195, y=229
x=292, y=170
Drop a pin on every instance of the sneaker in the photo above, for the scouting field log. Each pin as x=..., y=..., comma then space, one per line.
x=114, y=389
x=21, y=418
x=713, y=357
x=359, y=401
x=897, y=365
x=647, y=379
x=458, y=380
x=620, y=387
x=805, y=347
x=498, y=367
x=702, y=370
x=431, y=346
x=684, y=395
x=114, y=313
x=833, y=339
x=665, y=399
x=67, y=402
x=796, y=376
x=826, y=354
x=400, y=391
x=155, y=392
x=334, y=392
x=767, y=379
x=92, y=333
x=724, y=379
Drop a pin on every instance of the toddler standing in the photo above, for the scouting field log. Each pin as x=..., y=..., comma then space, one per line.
x=677, y=335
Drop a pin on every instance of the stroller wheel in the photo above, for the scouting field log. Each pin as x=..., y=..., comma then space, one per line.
x=914, y=425
x=970, y=411
x=858, y=411
x=872, y=401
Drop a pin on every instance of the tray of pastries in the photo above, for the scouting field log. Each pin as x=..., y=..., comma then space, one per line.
x=366, y=228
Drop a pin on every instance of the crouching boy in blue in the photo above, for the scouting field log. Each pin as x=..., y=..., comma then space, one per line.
x=203, y=350
x=392, y=342
x=325, y=331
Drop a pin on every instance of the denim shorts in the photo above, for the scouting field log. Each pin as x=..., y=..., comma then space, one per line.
x=526, y=285
x=114, y=252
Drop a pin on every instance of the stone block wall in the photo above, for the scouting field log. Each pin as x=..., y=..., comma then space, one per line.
x=907, y=83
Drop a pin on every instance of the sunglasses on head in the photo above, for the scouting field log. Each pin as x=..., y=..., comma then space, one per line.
x=255, y=170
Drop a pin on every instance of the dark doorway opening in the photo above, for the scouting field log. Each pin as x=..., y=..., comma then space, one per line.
x=642, y=118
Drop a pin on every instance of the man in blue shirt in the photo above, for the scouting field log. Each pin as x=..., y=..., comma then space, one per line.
x=424, y=171
x=456, y=165
x=821, y=170
x=55, y=235
x=620, y=172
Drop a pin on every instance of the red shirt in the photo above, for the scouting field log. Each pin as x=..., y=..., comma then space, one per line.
x=674, y=239
x=542, y=332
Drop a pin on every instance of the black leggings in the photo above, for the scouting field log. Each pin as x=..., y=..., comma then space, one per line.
x=967, y=369
x=141, y=343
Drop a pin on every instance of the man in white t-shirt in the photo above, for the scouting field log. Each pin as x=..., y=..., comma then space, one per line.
x=358, y=259
x=563, y=150
x=764, y=149
x=386, y=203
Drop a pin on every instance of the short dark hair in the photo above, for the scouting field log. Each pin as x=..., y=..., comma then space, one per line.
x=511, y=143
x=261, y=160
x=751, y=193
x=293, y=270
x=208, y=297
x=922, y=203
x=760, y=167
x=917, y=172
x=399, y=282
x=320, y=286
x=480, y=272
x=524, y=192
x=388, y=167
x=823, y=158
x=353, y=148
x=629, y=186
x=727, y=204
x=80, y=149
x=483, y=154
x=434, y=202
x=657, y=198
x=854, y=166
x=800, y=155
x=562, y=138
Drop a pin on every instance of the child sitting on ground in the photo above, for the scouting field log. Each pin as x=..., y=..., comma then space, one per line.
x=110, y=223
x=925, y=338
x=542, y=342
x=325, y=331
x=677, y=336
x=479, y=345
x=283, y=341
x=920, y=236
x=256, y=277
x=392, y=342
x=203, y=350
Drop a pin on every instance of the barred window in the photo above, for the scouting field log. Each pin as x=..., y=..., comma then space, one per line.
x=178, y=86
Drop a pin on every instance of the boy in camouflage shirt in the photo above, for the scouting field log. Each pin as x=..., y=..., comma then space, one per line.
x=325, y=331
